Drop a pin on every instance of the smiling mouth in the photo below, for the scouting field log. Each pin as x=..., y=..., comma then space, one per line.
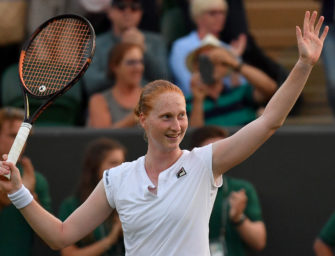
x=173, y=136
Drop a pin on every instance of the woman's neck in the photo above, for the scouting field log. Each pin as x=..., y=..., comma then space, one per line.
x=156, y=162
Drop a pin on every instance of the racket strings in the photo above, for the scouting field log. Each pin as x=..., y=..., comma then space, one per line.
x=56, y=56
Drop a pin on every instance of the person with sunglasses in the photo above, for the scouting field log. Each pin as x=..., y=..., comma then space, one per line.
x=125, y=17
x=114, y=106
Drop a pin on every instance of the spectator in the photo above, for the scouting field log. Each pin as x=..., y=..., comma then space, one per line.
x=114, y=107
x=125, y=16
x=206, y=23
x=236, y=223
x=176, y=22
x=328, y=54
x=212, y=101
x=324, y=245
x=101, y=154
x=16, y=236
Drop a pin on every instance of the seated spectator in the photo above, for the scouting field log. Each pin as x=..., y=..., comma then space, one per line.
x=16, y=236
x=324, y=245
x=125, y=16
x=236, y=224
x=206, y=23
x=177, y=22
x=114, y=106
x=213, y=101
x=101, y=154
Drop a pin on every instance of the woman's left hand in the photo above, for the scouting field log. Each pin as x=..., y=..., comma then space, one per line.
x=309, y=42
x=14, y=183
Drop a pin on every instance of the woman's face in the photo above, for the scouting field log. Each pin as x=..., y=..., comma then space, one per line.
x=130, y=69
x=167, y=122
x=112, y=159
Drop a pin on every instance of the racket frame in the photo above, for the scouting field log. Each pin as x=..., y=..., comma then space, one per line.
x=28, y=121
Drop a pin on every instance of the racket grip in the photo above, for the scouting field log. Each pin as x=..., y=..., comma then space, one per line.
x=18, y=144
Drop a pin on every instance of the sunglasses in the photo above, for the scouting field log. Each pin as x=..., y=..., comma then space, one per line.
x=134, y=6
x=134, y=62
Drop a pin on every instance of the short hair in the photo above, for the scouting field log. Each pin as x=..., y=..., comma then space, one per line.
x=10, y=114
x=201, y=134
x=200, y=6
x=151, y=91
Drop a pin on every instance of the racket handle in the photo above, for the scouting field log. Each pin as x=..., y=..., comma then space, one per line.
x=18, y=144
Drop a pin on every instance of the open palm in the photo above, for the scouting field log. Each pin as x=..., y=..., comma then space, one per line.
x=309, y=42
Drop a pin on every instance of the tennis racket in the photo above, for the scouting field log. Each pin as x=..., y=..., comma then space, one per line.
x=52, y=60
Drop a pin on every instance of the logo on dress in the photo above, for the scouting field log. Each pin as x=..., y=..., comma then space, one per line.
x=181, y=173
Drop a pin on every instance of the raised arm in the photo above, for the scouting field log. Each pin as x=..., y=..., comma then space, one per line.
x=55, y=233
x=236, y=148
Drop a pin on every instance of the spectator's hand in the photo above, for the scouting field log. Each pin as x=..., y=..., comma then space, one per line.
x=238, y=202
x=28, y=176
x=309, y=43
x=14, y=183
x=220, y=55
x=198, y=88
x=224, y=62
x=238, y=46
x=134, y=35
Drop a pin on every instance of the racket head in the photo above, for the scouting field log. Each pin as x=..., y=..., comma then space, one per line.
x=56, y=55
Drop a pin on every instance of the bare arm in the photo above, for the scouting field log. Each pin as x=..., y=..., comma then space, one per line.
x=322, y=249
x=99, y=116
x=55, y=233
x=262, y=83
x=197, y=116
x=96, y=248
x=235, y=149
x=253, y=233
x=59, y=234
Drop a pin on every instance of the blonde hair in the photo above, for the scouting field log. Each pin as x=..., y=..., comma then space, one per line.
x=198, y=7
x=150, y=92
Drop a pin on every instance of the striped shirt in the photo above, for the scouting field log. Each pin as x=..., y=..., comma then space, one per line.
x=235, y=106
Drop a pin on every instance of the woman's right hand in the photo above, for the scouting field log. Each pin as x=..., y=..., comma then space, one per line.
x=13, y=184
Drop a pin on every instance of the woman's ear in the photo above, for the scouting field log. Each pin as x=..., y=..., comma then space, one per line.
x=141, y=120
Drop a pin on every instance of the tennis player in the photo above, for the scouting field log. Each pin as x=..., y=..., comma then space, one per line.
x=164, y=199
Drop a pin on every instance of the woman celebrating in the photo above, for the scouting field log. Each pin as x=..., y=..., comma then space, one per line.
x=164, y=199
x=114, y=107
x=106, y=239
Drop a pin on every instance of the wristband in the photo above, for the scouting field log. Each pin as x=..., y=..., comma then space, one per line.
x=21, y=198
x=240, y=221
